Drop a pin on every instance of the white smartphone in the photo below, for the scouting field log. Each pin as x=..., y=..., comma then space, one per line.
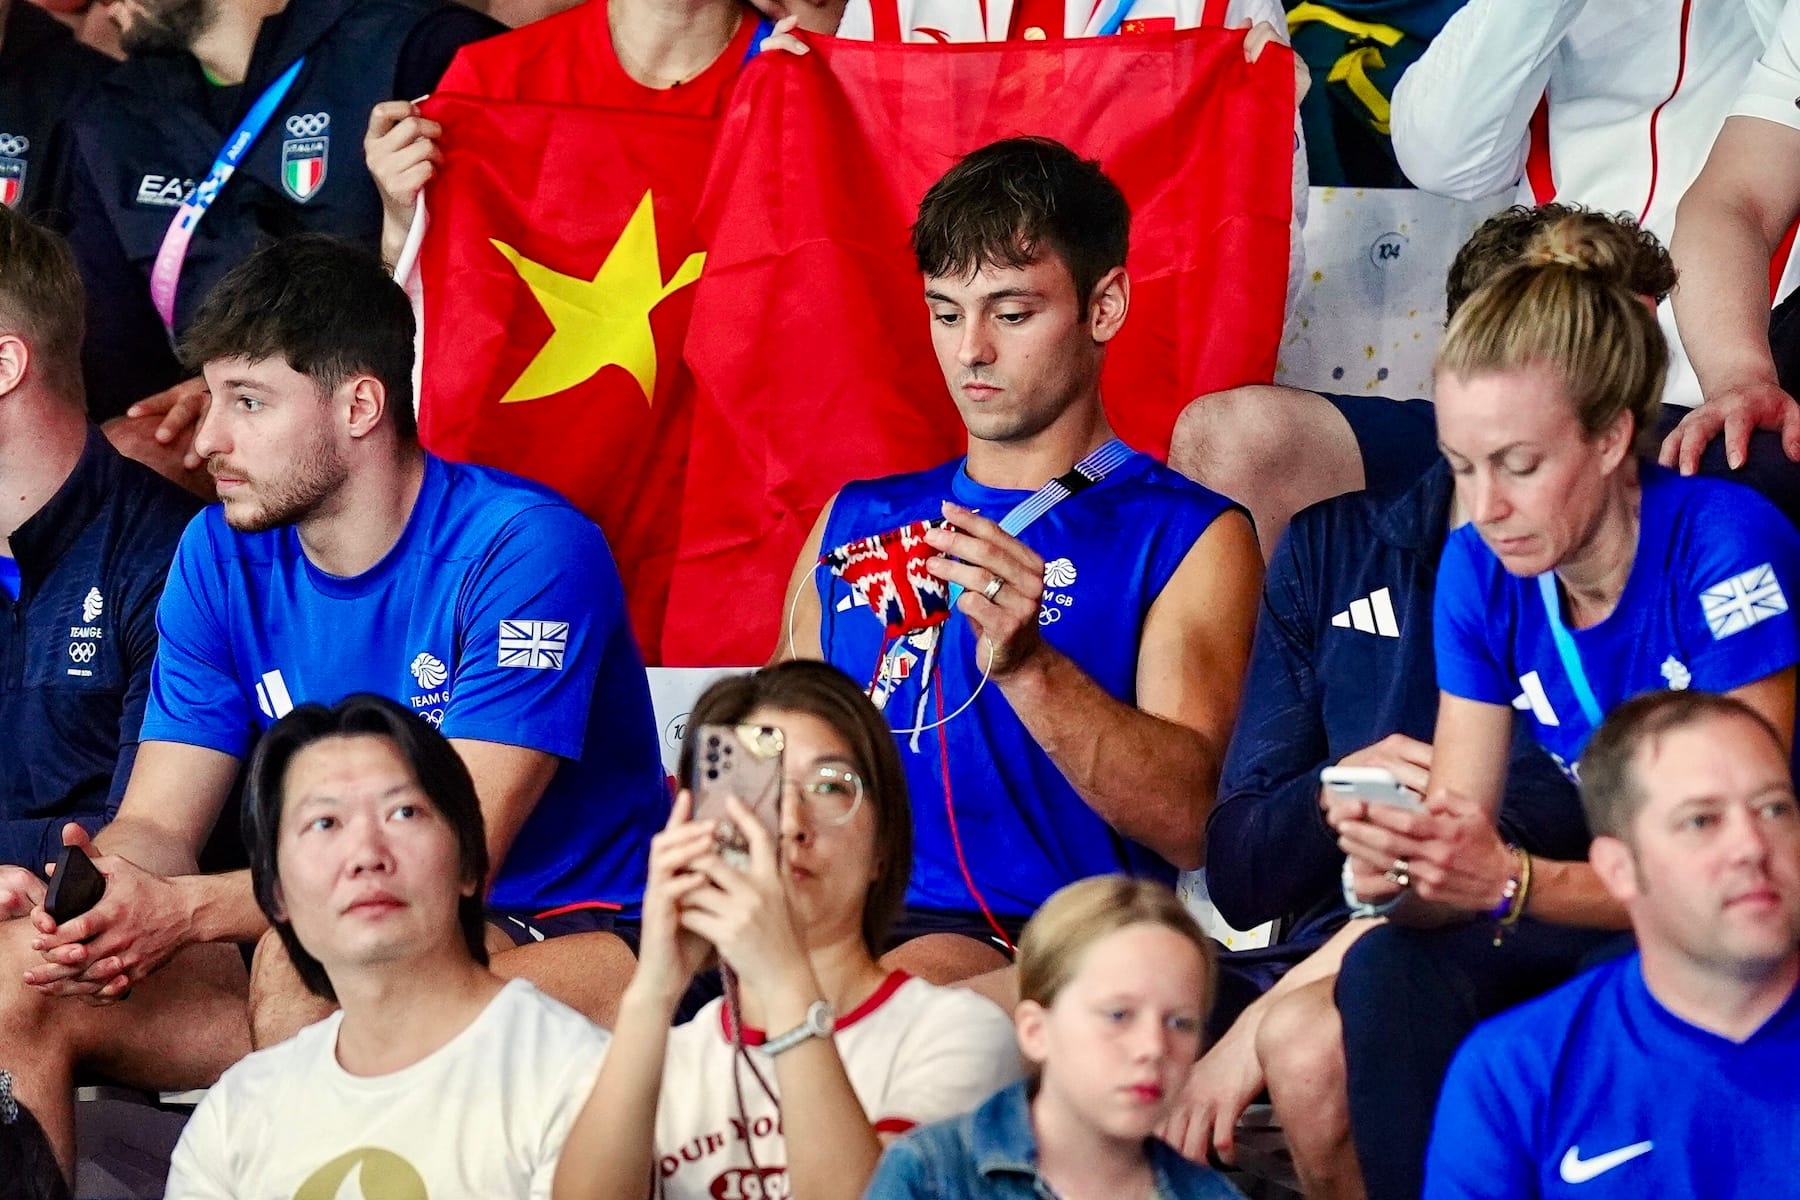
x=1374, y=785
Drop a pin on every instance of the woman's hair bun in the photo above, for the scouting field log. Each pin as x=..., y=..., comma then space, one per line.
x=1582, y=243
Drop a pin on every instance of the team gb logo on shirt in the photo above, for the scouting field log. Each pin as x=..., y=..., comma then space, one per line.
x=428, y=671
x=84, y=639
x=1059, y=574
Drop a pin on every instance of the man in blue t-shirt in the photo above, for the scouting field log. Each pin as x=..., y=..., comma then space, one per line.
x=345, y=559
x=1674, y=1071
x=1070, y=716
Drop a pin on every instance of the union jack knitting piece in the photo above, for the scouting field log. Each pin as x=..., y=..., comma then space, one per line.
x=887, y=573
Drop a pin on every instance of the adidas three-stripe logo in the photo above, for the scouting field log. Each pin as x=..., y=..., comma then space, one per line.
x=1373, y=613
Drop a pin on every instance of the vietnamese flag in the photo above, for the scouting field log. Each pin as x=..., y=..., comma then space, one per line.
x=556, y=278
x=809, y=339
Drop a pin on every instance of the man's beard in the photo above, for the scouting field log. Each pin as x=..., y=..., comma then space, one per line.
x=163, y=25
x=313, y=479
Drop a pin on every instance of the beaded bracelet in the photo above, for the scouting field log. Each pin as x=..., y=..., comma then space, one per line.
x=1513, y=893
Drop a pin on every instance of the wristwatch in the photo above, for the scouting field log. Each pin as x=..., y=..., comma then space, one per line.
x=820, y=1022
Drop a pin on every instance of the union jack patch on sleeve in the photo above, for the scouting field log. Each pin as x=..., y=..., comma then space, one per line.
x=533, y=645
x=1734, y=605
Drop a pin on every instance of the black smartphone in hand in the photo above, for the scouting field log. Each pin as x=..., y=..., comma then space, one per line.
x=75, y=886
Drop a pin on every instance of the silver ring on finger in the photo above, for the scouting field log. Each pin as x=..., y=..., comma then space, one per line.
x=1400, y=872
x=992, y=589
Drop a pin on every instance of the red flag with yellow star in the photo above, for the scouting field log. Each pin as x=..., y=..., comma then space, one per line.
x=556, y=280
x=809, y=338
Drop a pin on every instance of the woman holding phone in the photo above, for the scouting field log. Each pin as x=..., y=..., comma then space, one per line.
x=830, y=1055
x=1585, y=575
x=1115, y=980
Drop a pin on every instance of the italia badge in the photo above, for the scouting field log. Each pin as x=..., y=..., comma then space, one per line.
x=12, y=167
x=303, y=155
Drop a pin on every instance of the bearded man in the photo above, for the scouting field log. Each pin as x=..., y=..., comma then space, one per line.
x=344, y=559
x=279, y=92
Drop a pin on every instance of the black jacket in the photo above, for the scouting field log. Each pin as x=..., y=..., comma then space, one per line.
x=44, y=75
x=153, y=127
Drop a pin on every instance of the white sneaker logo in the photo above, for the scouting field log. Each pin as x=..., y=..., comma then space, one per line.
x=1534, y=700
x=1373, y=613
x=1576, y=1169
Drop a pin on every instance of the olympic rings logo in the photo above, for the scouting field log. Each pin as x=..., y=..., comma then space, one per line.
x=308, y=124
x=83, y=652
x=12, y=145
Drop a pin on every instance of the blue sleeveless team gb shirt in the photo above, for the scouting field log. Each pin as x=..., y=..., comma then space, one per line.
x=1108, y=550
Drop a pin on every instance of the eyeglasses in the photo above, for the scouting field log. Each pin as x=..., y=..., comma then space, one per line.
x=829, y=795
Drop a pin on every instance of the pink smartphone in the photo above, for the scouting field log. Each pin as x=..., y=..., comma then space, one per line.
x=742, y=761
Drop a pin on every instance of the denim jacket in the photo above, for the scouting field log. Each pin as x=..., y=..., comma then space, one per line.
x=991, y=1154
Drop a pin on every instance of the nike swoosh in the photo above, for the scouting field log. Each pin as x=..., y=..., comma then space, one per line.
x=1575, y=1169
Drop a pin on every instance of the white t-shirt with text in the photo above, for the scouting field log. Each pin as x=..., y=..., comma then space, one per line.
x=915, y=1053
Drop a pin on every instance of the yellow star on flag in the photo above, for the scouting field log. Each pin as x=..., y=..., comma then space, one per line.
x=600, y=322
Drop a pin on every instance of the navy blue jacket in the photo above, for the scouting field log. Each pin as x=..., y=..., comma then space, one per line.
x=76, y=647
x=44, y=74
x=1335, y=669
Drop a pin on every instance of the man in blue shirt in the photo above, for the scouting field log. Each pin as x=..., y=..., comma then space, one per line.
x=345, y=559
x=1674, y=1071
x=1070, y=717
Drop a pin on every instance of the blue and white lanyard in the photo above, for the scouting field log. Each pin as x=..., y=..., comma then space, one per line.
x=1565, y=649
x=1083, y=475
